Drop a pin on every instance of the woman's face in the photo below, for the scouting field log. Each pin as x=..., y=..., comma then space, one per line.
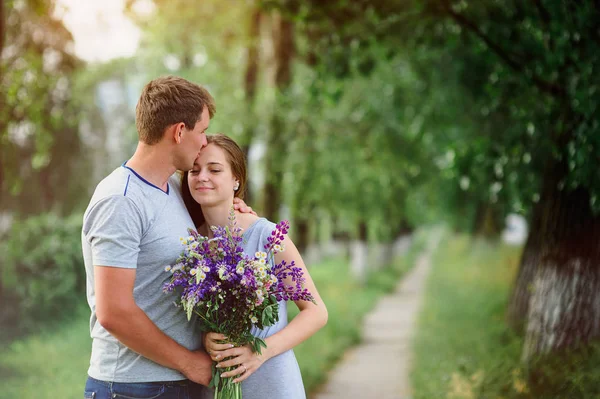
x=211, y=180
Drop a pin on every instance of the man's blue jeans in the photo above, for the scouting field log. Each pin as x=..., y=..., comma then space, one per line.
x=185, y=389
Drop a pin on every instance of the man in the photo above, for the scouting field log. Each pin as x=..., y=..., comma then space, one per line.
x=142, y=345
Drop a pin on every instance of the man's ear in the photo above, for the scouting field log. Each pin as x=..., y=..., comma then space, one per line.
x=177, y=132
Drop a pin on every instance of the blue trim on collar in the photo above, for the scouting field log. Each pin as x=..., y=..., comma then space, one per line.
x=144, y=180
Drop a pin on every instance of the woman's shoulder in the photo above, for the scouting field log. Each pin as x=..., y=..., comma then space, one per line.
x=248, y=221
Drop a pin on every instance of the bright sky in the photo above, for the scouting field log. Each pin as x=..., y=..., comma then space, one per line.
x=100, y=29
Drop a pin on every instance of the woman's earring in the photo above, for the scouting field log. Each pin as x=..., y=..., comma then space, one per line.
x=237, y=186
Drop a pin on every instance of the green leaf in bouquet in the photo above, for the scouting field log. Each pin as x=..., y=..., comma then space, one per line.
x=214, y=382
x=263, y=317
x=257, y=344
x=189, y=308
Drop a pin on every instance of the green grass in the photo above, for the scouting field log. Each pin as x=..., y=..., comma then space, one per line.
x=54, y=364
x=463, y=348
x=48, y=365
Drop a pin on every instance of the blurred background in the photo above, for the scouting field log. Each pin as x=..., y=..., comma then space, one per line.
x=368, y=124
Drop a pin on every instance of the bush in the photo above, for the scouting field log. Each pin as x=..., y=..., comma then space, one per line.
x=43, y=276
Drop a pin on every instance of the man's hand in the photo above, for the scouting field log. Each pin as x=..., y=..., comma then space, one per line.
x=240, y=206
x=197, y=367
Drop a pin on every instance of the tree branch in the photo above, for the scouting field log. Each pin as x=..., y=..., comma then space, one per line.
x=548, y=87
x=250, y=78
x=544, y=14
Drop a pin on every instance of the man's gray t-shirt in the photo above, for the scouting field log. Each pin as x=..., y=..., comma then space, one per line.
x=133, y=224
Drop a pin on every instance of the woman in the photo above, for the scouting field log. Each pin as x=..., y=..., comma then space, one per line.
x=219, y=175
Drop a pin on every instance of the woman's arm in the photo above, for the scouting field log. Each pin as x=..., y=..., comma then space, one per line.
x=311, y=318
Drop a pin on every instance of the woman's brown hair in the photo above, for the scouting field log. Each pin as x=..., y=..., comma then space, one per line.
x=237, y=161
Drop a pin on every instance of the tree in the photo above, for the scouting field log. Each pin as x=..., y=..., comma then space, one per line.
x=283, y=54
x=529, y=70
x=38, y=125
x=545, y=50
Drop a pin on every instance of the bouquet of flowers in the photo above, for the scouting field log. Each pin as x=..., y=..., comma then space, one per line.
x=230, y=291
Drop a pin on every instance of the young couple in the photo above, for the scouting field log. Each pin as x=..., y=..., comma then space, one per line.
x=142, y=345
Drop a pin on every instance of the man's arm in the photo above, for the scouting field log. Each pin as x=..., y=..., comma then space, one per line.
x=118, y=313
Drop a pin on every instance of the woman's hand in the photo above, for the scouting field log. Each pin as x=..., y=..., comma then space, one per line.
x=242, y=358
x=245, y=361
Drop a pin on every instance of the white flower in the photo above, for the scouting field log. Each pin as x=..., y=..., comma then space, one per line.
x=168, y=268
x=253, y=319
x=178, y=266
x=193, y=272
x=222, y=272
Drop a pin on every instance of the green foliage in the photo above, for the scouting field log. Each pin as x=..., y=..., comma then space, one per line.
x=204, y=42
x=499, y=89
x=354, y=145
x=43, y=277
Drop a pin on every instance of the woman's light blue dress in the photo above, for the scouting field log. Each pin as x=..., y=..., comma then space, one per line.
x=279, y=377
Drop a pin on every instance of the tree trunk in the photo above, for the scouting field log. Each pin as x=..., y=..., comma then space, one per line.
x=564, y=309
x=2, y=27
x=274, y=170
x=360, y=254
x=250, y=84
x=283, y=48
x=2, y=106
x=487, y=222
x=302, y=240
x=518, y=306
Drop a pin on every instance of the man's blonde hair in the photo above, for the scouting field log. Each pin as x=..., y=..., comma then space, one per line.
x=166, y=101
